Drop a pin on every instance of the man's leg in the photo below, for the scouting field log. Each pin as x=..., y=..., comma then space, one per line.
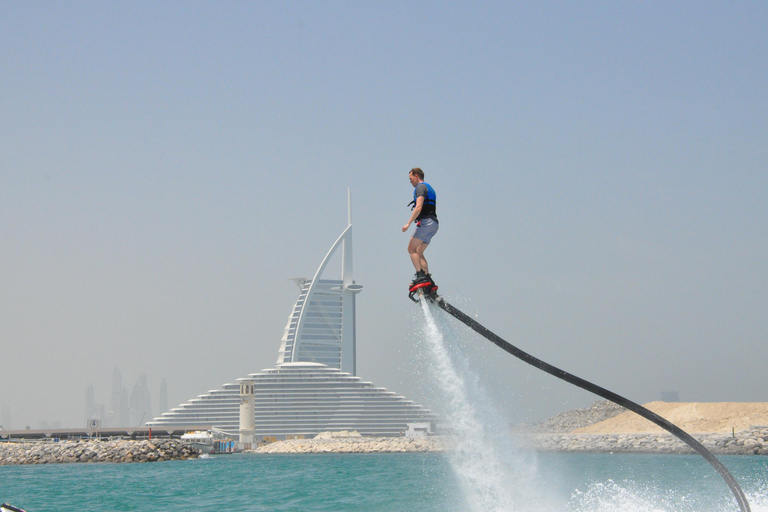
x=416, y=250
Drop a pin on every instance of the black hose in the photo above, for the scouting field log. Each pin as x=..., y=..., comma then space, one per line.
x=613, y=397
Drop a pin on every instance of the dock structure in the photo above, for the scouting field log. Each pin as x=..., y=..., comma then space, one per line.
x=143, y=432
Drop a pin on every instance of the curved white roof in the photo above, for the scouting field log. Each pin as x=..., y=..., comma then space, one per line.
x=298, y=364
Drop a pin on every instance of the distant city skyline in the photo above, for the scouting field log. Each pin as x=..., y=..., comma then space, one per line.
x=119, y=408
x=124, y=409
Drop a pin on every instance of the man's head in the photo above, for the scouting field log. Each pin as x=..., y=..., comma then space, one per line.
x=416, y=175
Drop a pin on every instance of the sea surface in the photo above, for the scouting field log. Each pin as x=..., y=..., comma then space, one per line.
x=384, y=482
x=486, y=471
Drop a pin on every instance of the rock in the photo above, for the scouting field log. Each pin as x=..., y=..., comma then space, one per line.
x=351, y=443
x=569, y=421
x=45, y=452
x=743, y=443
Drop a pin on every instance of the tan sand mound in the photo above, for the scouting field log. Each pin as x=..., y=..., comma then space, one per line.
x=693, y=417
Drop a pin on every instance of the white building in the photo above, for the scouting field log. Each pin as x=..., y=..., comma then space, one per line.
x=314, y=387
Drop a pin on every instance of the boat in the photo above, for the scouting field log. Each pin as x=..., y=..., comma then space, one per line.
x=211, y=441
x=200, y=439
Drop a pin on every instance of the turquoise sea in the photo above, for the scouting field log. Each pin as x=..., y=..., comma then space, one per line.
x=485, y=471
x=384, y=482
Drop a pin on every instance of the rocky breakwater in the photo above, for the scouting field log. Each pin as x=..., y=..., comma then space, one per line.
x=352, y=442
x=724, y=428
x=122, y=450
x=750, y=442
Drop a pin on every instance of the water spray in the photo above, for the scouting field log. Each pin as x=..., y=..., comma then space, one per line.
x=593, y=388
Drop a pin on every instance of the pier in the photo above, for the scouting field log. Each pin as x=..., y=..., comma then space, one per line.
x=166, y=431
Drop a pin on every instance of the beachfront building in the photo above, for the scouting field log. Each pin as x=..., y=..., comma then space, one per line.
x=313, y=387
x=302, y=399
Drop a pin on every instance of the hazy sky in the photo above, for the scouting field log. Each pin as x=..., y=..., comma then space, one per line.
x=600, y=170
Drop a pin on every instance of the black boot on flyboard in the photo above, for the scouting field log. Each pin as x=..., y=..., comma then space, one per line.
x=423, y=285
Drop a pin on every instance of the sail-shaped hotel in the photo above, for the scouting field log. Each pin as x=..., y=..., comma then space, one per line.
x=314, y=387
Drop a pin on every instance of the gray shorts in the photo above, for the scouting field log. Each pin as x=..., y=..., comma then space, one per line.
x=426, y=229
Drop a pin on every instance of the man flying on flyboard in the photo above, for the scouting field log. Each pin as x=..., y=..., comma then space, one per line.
x=425, y=216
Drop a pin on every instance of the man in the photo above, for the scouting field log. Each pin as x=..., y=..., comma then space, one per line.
x=425, y=216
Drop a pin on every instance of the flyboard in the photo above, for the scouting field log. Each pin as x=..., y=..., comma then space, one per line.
x=417, y=293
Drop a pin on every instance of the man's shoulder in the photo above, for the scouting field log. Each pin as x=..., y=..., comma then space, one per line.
x=421, y=189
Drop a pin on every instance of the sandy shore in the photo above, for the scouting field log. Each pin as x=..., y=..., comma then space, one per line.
x=693, y=417
x=723, y=427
